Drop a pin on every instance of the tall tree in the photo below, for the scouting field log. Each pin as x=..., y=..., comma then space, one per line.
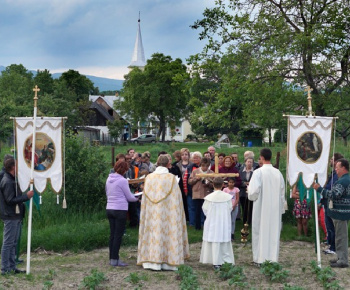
x=156, y=92
x=301, y=42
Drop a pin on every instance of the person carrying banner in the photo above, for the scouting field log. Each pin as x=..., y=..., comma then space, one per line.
x=266, y=189
x=339, y=211
x=12, y=212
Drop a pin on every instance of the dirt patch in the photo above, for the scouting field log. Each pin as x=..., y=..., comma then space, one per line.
x=66, y=271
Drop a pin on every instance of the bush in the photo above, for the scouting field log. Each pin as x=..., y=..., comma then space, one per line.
x=86, y=174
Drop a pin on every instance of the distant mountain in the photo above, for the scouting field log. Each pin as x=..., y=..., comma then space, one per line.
x=104, y=84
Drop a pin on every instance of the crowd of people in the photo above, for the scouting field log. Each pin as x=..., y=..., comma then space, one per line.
x=176, y=195
x=166, y=198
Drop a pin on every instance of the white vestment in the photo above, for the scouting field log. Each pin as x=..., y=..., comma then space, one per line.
x=216, y=246
x=266, y=189
x=163, y=242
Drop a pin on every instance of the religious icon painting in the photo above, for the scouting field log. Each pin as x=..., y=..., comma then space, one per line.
x=309, y=147
x=44, y=153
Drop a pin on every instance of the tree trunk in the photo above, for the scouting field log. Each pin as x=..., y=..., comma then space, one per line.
x=270, y=138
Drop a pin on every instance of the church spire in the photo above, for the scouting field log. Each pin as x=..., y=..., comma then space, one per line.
x=138, y=57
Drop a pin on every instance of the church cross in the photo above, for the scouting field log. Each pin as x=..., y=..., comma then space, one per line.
x=309, y=99
x=36, y=90
x=216, y=173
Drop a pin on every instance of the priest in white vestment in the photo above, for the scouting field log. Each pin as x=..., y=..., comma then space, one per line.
x=216, y=245
x=266, y=190
x=163, y=242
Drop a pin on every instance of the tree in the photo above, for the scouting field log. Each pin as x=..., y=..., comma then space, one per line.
x=79, y=84
x=44, y=81
x=16, y=96
x=299, y=42
x=155, y=93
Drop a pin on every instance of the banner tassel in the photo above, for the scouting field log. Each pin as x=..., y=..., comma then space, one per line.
x=64, y=203
x=40, y=201
x=58, y=199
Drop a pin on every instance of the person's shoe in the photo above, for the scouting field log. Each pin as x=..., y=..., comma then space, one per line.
x=3, y=273
x=18, y=271
x=113, y=262
x=339, y=265
x=217, y=267
x=122, y=264
x=333, y=260
x=329, y=252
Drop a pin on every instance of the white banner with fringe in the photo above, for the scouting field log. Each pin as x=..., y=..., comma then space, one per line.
x=309, y=140
x=48, y=163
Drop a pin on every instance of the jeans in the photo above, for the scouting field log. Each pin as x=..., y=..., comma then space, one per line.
x=330, y=232
x=191, y=210
x=233, y=219
x=117, y=222
x=9, y=243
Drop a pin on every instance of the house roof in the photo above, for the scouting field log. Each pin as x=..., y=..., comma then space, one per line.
x=102, y=110
x=110, y=102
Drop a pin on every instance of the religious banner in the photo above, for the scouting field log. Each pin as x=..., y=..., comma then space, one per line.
x=309, y=140
x=47, y=152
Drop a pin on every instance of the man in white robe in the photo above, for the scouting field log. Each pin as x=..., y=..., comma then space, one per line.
x=163, y=242
x=216, y=245
x=266, y=190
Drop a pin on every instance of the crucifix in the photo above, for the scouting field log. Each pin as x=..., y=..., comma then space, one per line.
x=36, y=90
x=309, y=99
x=216, y=172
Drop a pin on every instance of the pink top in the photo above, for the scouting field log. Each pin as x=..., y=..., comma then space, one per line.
x=232, y=192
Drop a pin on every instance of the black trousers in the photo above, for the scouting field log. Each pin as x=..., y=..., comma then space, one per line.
x=198, y=203
x=247, y=208
x=117, y=222
x=134, y=219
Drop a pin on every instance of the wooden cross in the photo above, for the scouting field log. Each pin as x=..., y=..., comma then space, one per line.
x=216, y=173
x=36, y=90
x=309, y=99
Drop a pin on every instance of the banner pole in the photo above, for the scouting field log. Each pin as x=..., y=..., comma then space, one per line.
x=317, y=231
x=30, y=214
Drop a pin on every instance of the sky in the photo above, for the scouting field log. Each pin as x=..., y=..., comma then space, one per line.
x=95, y=37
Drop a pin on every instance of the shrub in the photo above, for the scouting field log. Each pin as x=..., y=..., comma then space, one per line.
x=86, y=173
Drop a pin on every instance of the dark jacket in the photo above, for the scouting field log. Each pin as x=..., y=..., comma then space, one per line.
x=340, y=197
x=9, y=198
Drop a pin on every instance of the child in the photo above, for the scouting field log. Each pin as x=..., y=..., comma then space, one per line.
x=234, y=192
x=217, y=246
x=201, y=187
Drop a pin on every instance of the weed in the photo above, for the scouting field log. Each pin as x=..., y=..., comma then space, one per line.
x=134, y=278
x=288, y=287
x=47, y=285
x=92, y=281
x=188, y=278
x=233, y=274
x=50, y=275
x=326, y=276
x=274, y=271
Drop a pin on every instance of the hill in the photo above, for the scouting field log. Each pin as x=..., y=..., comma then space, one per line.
x=104, y=84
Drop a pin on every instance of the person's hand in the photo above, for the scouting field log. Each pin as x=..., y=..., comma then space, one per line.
x=30, y=194
x=315, y=185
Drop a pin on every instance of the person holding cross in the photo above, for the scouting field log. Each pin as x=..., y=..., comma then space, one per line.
x=266, y=190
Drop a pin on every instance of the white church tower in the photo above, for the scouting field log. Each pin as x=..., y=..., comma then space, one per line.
x=138, y=57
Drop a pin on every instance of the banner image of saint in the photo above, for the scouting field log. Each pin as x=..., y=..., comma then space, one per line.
x=309, y=140
x=309, y=147
x=44, y=154
x=48, y=165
